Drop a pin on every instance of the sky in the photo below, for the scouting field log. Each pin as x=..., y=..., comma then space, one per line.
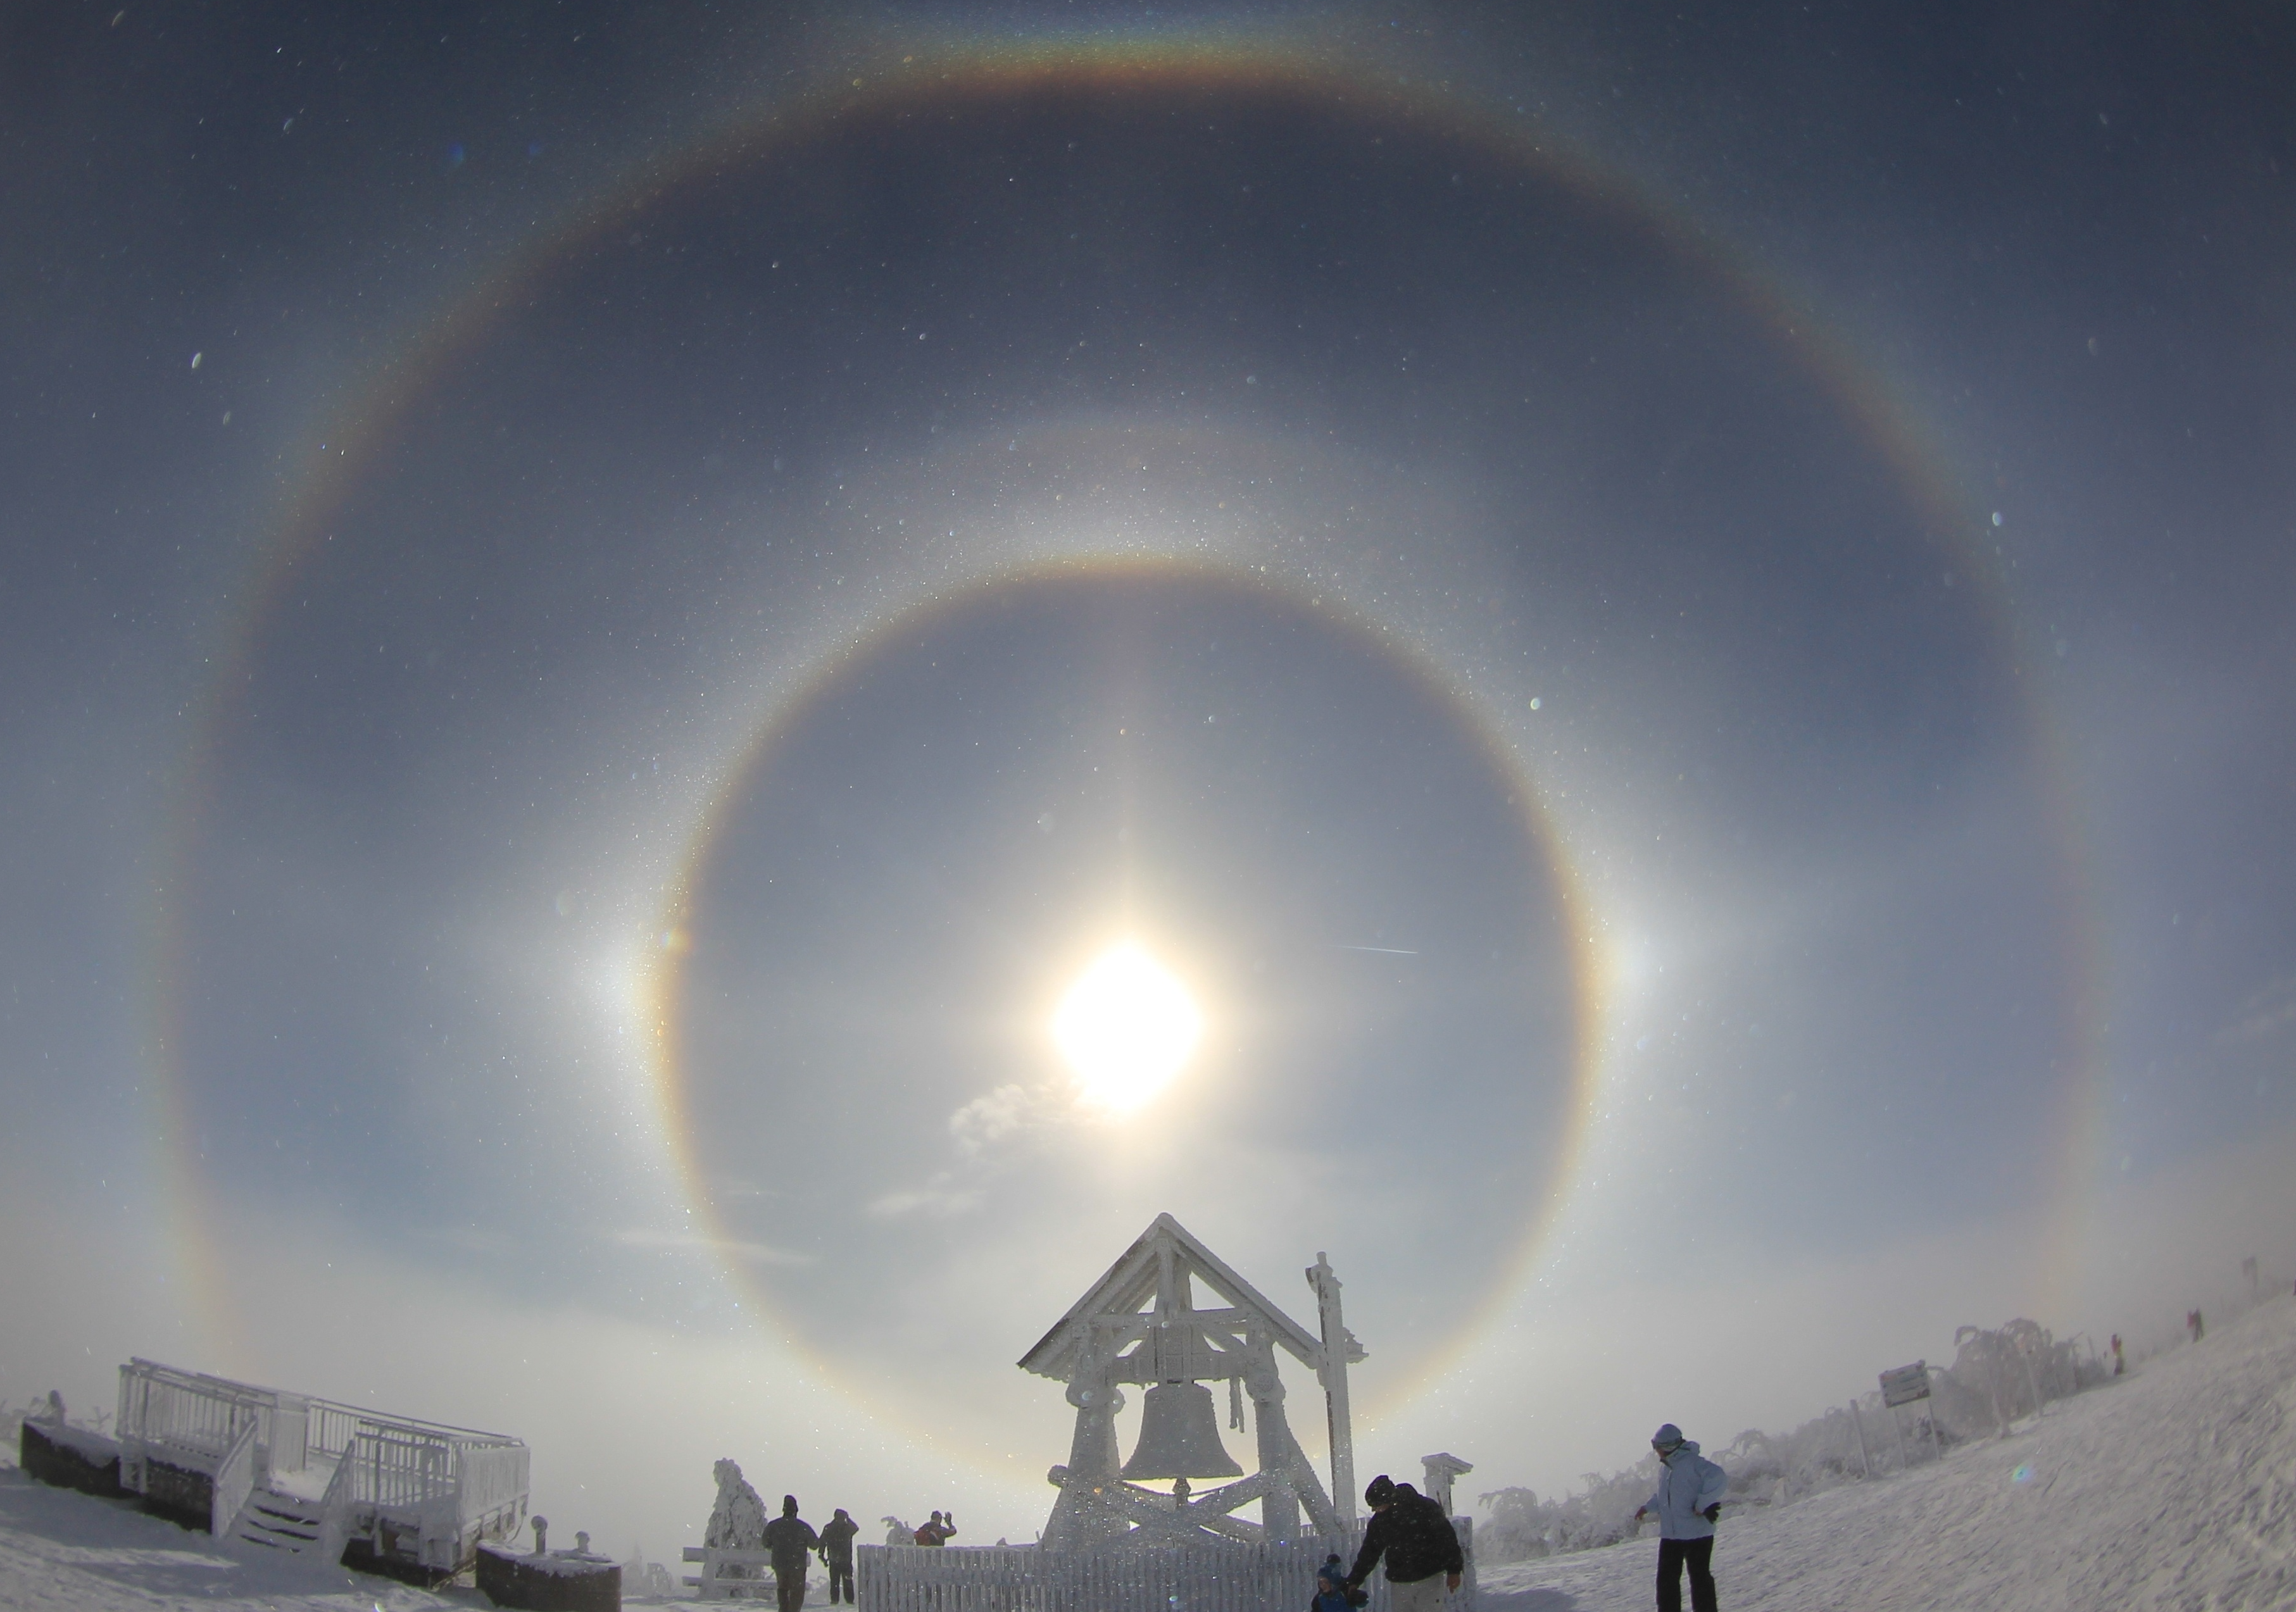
x=1676, y=626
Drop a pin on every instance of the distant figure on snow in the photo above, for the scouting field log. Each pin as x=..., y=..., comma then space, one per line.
x=1688, y=1504
x=837, y=1554
x=937, y=1530
x=2119, y=1365
x=1423, y=1562
x=2193, y=1324
x=791, y=1540
x=737, y=1522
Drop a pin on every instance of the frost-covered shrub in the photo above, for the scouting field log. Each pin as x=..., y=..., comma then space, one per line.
x=1997, y=1374
x=1601, y=1512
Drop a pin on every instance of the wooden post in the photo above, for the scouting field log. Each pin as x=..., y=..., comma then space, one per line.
x=1859, y=1426
x=1898, y=1427
x=1333, y=1371
x=1279, y=1507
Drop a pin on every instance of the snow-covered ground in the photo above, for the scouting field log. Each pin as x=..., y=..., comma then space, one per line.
x=63, y=1551
x=2174, y=1488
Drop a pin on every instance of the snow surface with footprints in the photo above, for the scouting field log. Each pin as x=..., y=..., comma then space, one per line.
x=2172, y=1488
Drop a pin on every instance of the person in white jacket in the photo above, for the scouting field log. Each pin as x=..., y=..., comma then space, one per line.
x=1687, y=1503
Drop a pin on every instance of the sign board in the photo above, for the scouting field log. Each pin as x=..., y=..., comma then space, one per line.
x=1905, y=1385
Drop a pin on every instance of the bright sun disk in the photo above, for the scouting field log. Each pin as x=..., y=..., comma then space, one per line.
x=1125, y=1028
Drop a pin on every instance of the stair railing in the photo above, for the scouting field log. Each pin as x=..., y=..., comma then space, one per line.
x=234, y=1482
x=335, y=1507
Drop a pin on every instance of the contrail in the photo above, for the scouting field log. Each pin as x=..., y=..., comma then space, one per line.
x=1388, y=951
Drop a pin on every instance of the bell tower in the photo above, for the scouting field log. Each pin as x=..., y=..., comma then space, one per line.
x=1138, y=1325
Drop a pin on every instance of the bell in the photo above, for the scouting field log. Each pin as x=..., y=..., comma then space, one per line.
x=1179, y=1435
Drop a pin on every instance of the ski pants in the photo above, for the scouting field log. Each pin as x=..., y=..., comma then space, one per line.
x=841, y=1577
x=1417, y=1594
x=788, y=1587
x=1698, y=1556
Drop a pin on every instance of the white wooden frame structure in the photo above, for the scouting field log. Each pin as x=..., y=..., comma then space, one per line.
x=1138, y=1324
x=408, y=1494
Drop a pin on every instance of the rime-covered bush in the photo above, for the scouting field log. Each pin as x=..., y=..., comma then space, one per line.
x=1997, y=1374
x=1601, y=1512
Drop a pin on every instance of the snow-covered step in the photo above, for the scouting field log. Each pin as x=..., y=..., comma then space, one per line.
x=280, y=1522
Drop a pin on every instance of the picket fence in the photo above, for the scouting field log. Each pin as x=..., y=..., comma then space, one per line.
x=1195, y=1575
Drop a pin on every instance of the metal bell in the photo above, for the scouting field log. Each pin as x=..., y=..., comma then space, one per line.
x=1179, y=1435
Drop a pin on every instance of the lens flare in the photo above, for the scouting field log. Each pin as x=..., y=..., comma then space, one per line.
x=1125, y=1028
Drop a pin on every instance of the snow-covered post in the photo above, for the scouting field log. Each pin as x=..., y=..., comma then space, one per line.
x=1333, y=1371
x=1279, y=1507
x=1441, y=1470
x=1858, y=1427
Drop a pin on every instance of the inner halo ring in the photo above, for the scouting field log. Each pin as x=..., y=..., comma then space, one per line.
x=662, y=986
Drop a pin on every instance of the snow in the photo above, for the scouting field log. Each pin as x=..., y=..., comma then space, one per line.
x=63, y=1551
x=558, y=1564
x=2174, y=1488
x=85, y=1442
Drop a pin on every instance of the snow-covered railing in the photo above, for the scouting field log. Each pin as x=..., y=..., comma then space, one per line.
x=452, y=1487
x=184, y=1418
x=335, y=1512
x=331, y=1429
x=729, y=1574
x=234, y=1481
x=445, y=1487
x=1190, y=1576
x=493, y=1482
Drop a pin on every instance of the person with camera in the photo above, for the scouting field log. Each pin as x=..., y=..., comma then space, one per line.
x=1423, y=1561
x=1688, y=1504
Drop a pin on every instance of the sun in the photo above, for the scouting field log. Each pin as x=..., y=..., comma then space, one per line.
x=1126, y=1027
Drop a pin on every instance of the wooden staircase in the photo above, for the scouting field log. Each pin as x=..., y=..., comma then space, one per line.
x=288, y=1523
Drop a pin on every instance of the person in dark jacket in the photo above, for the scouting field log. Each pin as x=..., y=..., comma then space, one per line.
x=1423, y=1562
x=837, y=1554
x=791, y=1540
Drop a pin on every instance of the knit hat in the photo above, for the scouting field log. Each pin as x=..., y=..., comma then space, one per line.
x=1666, y=1437
x=789, y=1505
x=1380, y=1491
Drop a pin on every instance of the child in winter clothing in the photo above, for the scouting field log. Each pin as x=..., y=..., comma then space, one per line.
x=1331, y=1588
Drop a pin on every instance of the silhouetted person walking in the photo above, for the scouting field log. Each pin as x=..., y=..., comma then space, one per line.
x=1422, y=1548
x=791, y=1540
x=837, y=1554
x=1688, y=1504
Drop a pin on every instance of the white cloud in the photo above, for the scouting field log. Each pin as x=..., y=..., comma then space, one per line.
x=937, y=1199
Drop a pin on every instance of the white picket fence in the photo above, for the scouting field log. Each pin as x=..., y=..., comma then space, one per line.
x=1206, y=1575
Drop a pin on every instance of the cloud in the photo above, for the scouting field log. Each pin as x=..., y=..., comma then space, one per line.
x=1008, y=1111
x=756, y=1253
x=938, y=1199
